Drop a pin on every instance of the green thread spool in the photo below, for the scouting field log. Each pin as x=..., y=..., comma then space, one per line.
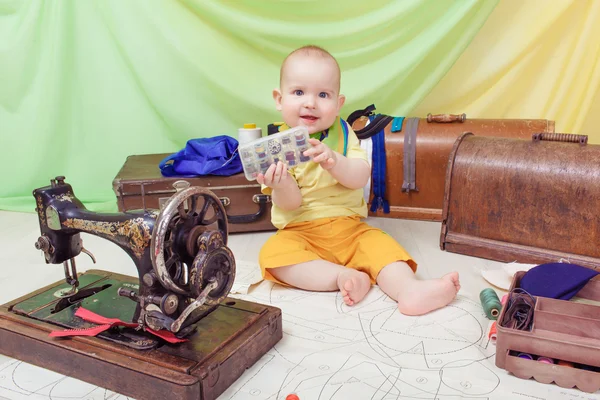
x=491, y=303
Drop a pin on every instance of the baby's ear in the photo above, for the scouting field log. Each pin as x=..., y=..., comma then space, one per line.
x=341, y=101
x=277, y=98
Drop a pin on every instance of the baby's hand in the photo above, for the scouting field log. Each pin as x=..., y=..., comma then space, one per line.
x=275, y=177
x=322, y=154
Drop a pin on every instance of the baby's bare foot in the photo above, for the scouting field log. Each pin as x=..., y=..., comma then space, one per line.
x=453, y=276
x=422, y=297
x=354, y=285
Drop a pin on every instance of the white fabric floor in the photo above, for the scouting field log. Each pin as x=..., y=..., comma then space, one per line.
x=329, y=350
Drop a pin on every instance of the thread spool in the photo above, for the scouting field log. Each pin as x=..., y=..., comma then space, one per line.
x=292, y=397
x=249, y=133
x=545, y=360
x=525, y=356
x=492, y=333
x=290, y=157
x=567, y=364
x=491, y=303
x=587, y=367
x=303, y=158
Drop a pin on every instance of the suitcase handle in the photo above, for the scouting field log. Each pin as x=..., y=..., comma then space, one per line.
x=261, y=200
x=443, y=118
x=560, y=137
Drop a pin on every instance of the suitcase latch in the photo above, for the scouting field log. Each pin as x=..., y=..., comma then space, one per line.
x=261, y=198
x=178, y=186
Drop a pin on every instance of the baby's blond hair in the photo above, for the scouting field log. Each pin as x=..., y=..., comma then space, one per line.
x=310, y=50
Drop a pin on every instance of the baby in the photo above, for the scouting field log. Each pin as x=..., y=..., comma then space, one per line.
x=322, y=244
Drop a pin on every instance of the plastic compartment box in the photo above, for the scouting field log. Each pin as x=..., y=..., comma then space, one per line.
x=286, y=146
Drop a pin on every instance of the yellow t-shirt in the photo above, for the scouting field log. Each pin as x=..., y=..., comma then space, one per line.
x=322, y=195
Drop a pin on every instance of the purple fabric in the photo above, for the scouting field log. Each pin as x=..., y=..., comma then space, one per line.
x=556, y=280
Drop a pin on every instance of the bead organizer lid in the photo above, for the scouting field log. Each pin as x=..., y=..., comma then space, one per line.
x=287, y=146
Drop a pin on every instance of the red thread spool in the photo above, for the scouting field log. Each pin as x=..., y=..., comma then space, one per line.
x=492, y=334
x=567, y=364
x=292, y=397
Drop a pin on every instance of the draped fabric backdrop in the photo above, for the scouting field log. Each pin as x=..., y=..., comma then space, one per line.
x=84, y=84
x=531, y=59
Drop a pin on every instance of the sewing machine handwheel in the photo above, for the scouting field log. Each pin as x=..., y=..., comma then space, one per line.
x=219, y=264
x=181, y=221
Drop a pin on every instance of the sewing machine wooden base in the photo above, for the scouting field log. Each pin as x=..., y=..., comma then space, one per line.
x=228, y=340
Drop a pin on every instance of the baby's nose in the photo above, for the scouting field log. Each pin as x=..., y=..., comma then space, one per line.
x=309, y=102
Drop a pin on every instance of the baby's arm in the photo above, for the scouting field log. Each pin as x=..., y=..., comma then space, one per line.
x=286, y=193
x=287, y=199
x=353, y=173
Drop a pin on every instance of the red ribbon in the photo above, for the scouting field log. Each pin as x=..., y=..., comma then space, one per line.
x=107, y=323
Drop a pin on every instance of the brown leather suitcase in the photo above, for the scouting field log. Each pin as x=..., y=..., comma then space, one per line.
x=530, y=201
x=140, y=185
x=422, y=196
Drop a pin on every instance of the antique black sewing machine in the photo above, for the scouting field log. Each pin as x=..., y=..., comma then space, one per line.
x=185, y=273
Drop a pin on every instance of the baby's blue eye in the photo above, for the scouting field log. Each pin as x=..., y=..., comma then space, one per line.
x=298, y=92
x=323, y=95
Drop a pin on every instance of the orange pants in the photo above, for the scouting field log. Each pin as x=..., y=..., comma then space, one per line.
x=342, y=240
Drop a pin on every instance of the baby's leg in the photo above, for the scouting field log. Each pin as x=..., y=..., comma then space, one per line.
x=414, y=296
x=325, y=276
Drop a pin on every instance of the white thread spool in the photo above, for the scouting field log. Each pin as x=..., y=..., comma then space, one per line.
x=249, y=133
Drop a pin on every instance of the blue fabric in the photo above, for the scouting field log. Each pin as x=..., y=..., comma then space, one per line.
x=378, y=172
x=397, y=124
x=556, y=280
x=206, y=156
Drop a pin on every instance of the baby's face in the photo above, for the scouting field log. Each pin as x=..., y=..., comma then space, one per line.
x=309, y=94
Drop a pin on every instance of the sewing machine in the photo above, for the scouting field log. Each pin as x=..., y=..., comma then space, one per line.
x=185, y=272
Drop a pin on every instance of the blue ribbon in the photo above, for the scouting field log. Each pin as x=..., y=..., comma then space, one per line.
x=397, y=124
x=378, y=172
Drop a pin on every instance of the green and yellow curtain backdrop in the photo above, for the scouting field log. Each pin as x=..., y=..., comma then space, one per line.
x=83, y=84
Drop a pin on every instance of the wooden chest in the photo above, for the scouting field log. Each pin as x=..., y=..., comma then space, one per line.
x=530, y=201
x=140, y=185
x=433, y=139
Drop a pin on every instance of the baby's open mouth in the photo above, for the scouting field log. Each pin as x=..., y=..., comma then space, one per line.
x=309, y=117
